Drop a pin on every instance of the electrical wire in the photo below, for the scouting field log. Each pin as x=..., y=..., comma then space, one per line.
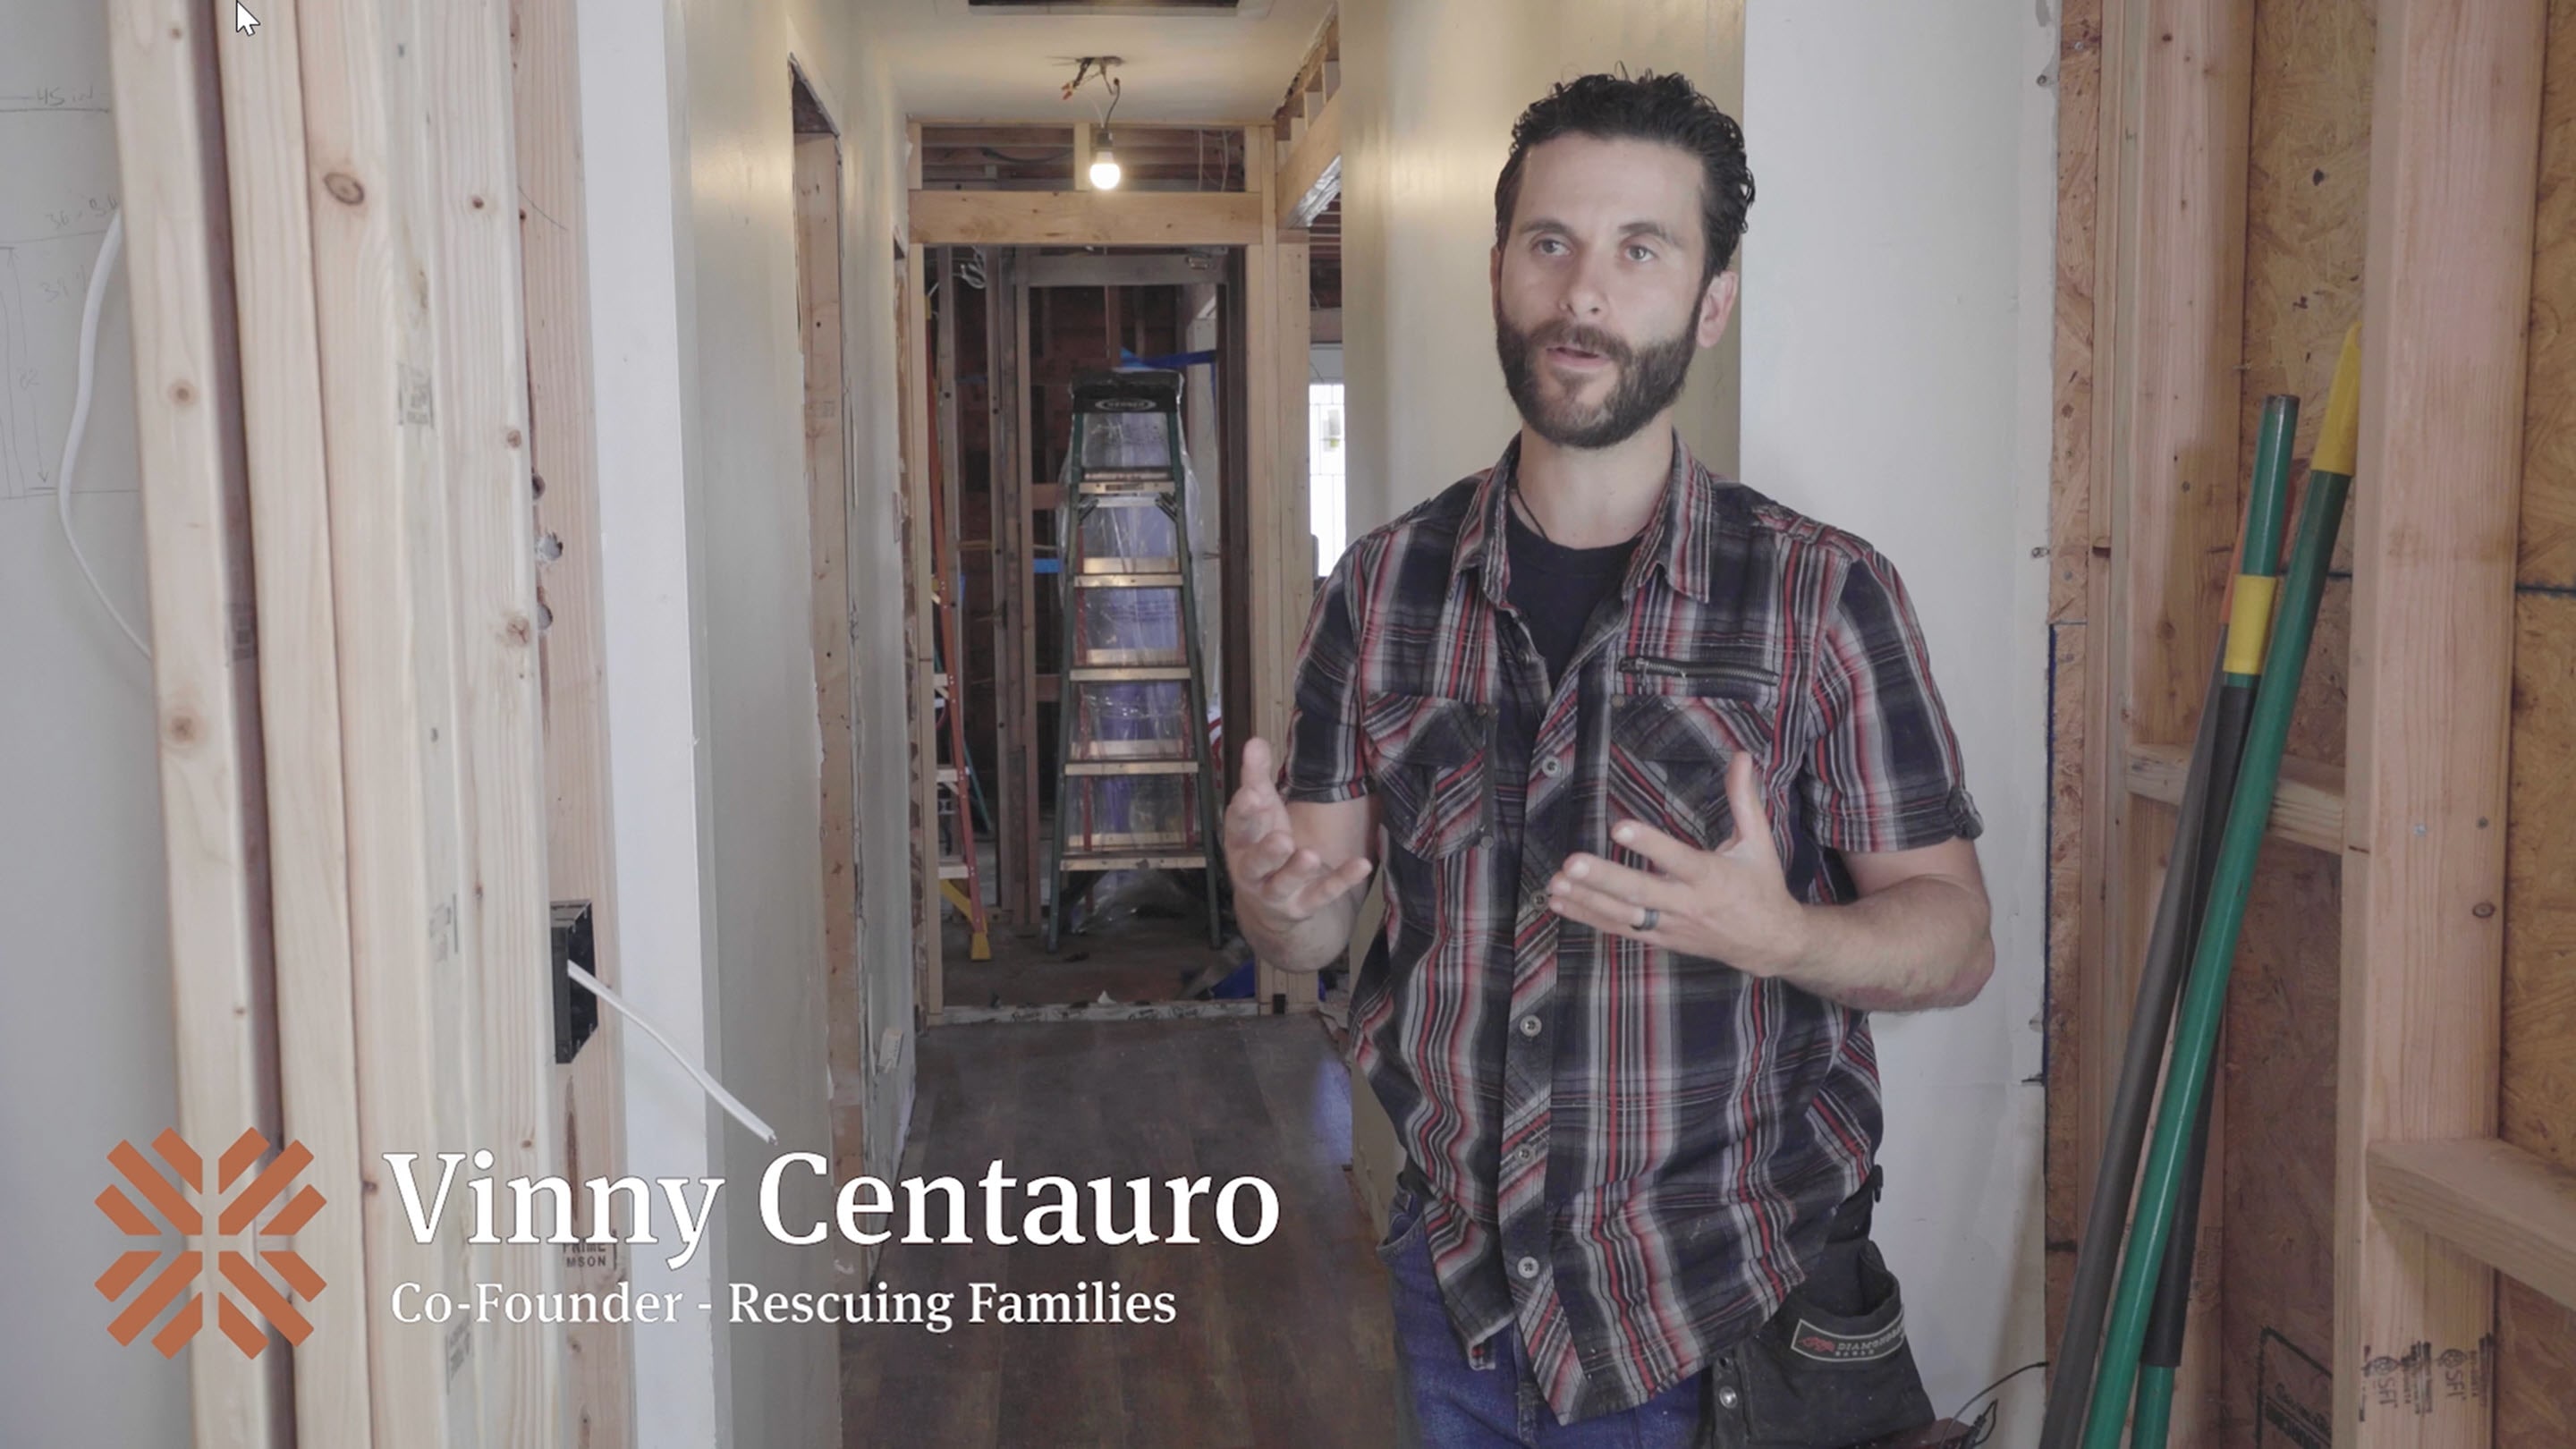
x=713, y=1088
x=98, y=275
x=1985, y=1422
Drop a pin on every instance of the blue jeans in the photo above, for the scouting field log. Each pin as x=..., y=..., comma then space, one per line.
x=1441, y=1403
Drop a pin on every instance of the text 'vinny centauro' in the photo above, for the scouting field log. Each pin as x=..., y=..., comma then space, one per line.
x=1046, y=1210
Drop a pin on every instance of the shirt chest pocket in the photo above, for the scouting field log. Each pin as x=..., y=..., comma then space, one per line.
x=1429, y=763
x=1668, y=759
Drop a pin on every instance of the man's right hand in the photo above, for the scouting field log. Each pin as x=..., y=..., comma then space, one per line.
x=1279, y=885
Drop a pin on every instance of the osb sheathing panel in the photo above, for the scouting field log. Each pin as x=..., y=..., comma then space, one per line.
x=2549, y=432
x=2277, y=1287
x=2536, y=1338
x=2306, y=233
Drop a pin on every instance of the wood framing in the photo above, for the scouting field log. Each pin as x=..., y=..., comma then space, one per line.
x=1124, y=269
x=1086, y=218
x=1310, y=175
x=205, y=684
x=299, y=707
x=599, y=1375
x=827, y=493
x=2306, y=810
x=393, y=815
x=2492, y=1201
x=2168, y=309
x=2455, y=128
x=920, y=635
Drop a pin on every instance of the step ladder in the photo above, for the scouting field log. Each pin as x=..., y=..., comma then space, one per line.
x=1135, y=779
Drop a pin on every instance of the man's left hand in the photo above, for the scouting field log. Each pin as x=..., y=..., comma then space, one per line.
x=1731, y=903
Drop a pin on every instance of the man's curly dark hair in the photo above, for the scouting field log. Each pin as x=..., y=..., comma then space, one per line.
x=1646, y=107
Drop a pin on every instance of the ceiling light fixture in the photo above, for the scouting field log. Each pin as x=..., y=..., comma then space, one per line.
x=1105, y=174
x=1105, y=170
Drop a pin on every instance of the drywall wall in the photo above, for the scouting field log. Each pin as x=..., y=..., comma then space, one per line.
x=1431, y=88
x=86, y=1056
x=715, y=754
x=1896, y=331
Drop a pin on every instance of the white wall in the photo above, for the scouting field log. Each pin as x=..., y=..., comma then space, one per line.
x=1431, y=89
x=715, y=753
x=86, y=1055
x=1896, y=322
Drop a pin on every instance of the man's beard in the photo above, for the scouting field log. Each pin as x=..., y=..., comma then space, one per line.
x=1649, y=379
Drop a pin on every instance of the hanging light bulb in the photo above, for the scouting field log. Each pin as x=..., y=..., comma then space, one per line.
x=1104, y=166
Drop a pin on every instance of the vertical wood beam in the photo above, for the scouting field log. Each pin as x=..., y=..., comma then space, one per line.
x=1021, y=614
x=407, y=112
x=827, y=493
x=272, y=261
x=580, y=858
x=203, y=672
x=480, y=404
x=2454, y=151
x=919, y=619
x=1263, y=288
x=2175, y=111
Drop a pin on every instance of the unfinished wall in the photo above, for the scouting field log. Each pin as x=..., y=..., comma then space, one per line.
x=1896, y=383
x=1429, y=94
x=87, y=1056
x=715, y=744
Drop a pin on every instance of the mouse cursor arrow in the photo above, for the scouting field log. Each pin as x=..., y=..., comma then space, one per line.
x=243, y=21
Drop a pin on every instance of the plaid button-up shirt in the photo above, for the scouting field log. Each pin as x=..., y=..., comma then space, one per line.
x=1630, y=1153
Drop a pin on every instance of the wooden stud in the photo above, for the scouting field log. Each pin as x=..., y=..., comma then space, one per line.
x=203, y=671
x=272, y=264
x=480, y=403
x=2167, y=406
x=416, y=269
x=1019, y=476
x=1086, y=218
x=2447, y=286
x=599, y=1369
x=827, y=491
x=920, y=552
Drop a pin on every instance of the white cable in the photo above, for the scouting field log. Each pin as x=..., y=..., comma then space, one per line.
x=714, y=1088
x=98, y=274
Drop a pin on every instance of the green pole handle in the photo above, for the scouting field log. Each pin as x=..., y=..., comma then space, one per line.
x=2205, y=997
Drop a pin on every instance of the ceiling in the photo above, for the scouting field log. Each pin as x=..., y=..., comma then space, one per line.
x=954, y=62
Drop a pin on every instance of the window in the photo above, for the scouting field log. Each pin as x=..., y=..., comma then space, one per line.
x=1325, y=474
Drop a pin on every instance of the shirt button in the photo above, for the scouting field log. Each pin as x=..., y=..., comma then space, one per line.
x=1528, y=1267
x=1726, y=1398
x=1551, y=767
x=1529, y=1026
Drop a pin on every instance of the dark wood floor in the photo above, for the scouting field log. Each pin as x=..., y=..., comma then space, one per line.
x=1285, y=1343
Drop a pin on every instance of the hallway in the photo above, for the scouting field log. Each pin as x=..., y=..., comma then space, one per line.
x=1280, y=1344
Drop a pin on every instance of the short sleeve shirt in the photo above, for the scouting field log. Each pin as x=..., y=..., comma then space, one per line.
x=1630, y=1152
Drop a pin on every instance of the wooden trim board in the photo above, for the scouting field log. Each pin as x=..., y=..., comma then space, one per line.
x=1086, y=218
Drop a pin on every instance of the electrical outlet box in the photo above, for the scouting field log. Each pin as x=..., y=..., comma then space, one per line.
x=576, y=1010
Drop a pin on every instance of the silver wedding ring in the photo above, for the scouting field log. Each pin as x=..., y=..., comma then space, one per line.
x=1647, y=921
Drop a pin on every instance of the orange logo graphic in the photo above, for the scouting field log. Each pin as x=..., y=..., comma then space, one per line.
x=174, y=1194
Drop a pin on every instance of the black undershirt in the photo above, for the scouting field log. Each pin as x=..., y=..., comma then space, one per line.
x=1555, y=589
